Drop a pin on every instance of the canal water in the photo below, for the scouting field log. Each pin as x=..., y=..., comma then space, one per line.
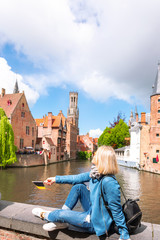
x=16, y=185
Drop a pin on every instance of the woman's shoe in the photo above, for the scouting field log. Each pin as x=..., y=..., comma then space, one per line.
x=39, y=212
x=49, y=226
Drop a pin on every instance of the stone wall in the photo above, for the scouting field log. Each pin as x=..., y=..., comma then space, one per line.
x=29, y=160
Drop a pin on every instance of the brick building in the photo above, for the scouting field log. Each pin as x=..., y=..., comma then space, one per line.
x=86, y=143
x=60, y=130
x=146, y=143
x=17, y=110
x=54, y=129
x=72, y=125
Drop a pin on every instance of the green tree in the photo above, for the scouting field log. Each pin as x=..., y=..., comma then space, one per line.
x=114, y=137
x=84, y=155
x=7, y=147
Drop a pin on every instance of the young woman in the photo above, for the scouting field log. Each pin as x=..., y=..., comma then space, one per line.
x=95, y=218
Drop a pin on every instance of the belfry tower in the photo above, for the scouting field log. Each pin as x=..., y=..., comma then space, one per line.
x=73, y=111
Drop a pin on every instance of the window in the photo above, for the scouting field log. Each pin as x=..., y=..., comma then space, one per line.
x=157, y=134
x=22, y=104
x=57, y=149
x=64, y=134
x=59, y=133
x=154, y=160
x=27, y=130
x=9, y=102
x=157, y=151
x=158, y=122
x=159, y=100
x=158, y=110
x=23, y=114
x=71, y=99
x=32, y=131
x=59, y=140
x=21, y=143
x=33, y=143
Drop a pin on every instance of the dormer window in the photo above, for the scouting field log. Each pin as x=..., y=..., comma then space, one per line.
x=9, y=102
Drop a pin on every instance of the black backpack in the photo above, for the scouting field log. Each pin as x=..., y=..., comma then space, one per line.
x=131, y=210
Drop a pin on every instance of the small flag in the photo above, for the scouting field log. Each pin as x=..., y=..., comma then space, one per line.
x=39, y=184
x=157, y=158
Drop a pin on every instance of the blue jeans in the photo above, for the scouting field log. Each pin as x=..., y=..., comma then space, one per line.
x=66, y=215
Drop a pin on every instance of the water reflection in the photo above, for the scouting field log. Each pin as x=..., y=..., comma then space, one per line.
x=16, y=185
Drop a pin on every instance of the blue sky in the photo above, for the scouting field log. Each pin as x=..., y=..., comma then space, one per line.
x=107, y=51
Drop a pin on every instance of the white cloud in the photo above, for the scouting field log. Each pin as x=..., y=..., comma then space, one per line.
x=95, y=133
x=8, y=79
x=105, y=48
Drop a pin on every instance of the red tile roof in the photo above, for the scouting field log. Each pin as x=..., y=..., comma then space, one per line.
x=13, y=98
x=56, y=120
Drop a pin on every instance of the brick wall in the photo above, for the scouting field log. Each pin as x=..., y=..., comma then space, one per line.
x=155, y=117
x=19, y=124
x=71, y=140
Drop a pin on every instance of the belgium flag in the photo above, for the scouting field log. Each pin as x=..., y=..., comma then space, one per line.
x=39, y=184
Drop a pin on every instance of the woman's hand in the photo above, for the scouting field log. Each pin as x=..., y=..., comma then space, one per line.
x=50, y=181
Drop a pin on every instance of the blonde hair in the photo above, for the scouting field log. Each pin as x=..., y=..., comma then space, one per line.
x=105, y=160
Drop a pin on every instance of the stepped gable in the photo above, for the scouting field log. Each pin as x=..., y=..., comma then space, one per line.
x=9, y=102
x=56, y=120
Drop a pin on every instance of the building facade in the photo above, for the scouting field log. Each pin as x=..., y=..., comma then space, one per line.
x=52, y=131
x=60, y=130
x=17, y=110
x=72, y=125
x=144, y=147
x=86, y=143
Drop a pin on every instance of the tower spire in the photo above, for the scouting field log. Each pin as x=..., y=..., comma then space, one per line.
x=156, y=86
x=16, y=89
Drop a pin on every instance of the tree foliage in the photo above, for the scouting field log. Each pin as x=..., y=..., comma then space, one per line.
x=7, y=147
x=116, y=120
x=115, y=136
x=83, y=155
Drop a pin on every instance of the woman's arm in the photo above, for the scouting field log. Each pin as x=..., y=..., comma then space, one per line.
x=112, y=196
x=70, y=179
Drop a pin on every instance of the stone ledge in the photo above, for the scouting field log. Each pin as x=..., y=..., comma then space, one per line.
x=18, y=216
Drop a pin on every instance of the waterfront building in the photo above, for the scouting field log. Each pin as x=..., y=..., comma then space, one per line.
x=144, y=150
x=51, y=131
x=60, y=131
x=17, y=110
x=86, y=143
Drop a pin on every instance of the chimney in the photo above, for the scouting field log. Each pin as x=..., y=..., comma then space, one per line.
x=50, y=120
x=3, y=92
x=143, y=118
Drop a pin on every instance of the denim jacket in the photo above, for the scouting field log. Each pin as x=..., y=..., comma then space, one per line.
x=100, y=217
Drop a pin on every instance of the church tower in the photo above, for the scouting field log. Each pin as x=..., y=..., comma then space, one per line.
x=16, y=89
x=73, y=111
